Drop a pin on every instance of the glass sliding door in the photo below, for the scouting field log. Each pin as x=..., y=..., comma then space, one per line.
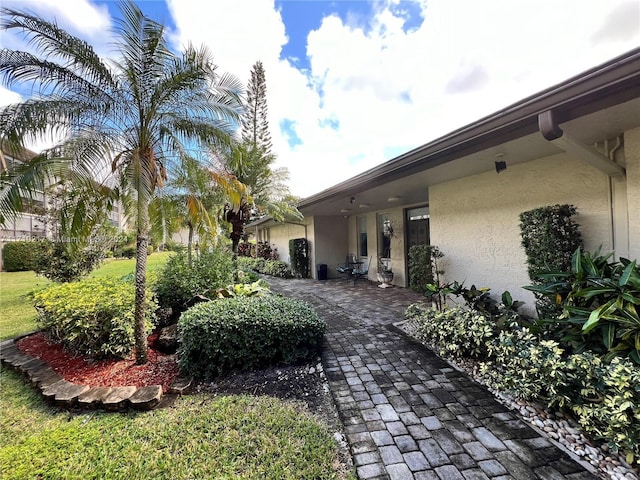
x=363, y=249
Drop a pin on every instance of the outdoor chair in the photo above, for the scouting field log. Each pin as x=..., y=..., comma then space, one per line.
x=361, y=271
x=344, y=269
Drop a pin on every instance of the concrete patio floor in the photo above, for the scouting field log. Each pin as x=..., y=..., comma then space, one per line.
x=407, y=413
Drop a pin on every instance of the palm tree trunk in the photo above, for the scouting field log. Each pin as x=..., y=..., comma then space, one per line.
x=142, y=243
x=189, y=243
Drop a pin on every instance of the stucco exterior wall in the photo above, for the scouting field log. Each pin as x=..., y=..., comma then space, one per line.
x=279, y=236
x=475, y=220
x=330, y=245
x=632, y=155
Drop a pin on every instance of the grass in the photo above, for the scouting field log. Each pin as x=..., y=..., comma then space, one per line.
x=200, y=436
x=227, y=437
x=18, y=315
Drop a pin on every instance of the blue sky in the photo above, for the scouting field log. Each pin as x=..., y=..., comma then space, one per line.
x=351, y=84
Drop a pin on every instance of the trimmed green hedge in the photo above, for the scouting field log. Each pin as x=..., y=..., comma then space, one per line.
x=21, y=256
x=275, y=268
x=92, y=317
x=243, y=333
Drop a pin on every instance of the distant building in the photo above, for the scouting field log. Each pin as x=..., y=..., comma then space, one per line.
x=30, y=224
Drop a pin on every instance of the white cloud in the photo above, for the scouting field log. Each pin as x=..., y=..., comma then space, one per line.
x=79, y=17
x=389, y=90
x=374, y=90
x=7, y=97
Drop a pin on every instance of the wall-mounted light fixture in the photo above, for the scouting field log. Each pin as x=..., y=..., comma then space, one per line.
x=352, y=200
x=364, y=205
x=345, y=210
x=501, y=165
x=394, y=199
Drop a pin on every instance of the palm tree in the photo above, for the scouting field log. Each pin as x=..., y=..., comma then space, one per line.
x=196, y=192
x=143, y=111
x=268, y=193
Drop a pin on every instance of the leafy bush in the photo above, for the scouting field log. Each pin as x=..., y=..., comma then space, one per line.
x=299, y=255
x=607, y=407
x=247, y=332
x=258, y=287
x=598, y=301
x=92, y=317
x=275, y=268
x=549, y=237
x=245, y=249
x=171, y=246
x=128, y=251
x=178, y=283
x=523, y=364
x=264, y=250
x=250, y=263
x=247, y=277
x=63, y=262
x=456, y=331
x=21, y=256
x=420, y=267
x=604, y=397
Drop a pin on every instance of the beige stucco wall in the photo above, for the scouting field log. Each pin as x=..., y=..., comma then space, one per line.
x=475, y=220
x=632, y=155
x=330, y=244
x=279, y=236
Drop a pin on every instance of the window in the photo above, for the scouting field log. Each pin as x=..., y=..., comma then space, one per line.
x=418, y=226
x=362, y=237
x=385, y=232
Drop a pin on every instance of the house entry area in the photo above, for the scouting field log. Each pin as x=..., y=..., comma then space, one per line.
x=417, y=221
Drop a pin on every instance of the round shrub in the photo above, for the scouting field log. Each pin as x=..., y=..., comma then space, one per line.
x=242, y=333
x=21, y=256
x=177, y=282
x=92, y=317
x=60, y=262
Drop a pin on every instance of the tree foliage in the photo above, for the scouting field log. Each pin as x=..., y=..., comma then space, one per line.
x=127, y=120
x=255, y=124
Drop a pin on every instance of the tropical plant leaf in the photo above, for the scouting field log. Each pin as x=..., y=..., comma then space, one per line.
x=608, y=334
x=626, y=274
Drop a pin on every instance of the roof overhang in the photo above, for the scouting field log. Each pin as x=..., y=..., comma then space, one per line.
x=595, y=105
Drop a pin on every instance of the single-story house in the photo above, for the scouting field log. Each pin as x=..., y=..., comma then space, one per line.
x=577, y=142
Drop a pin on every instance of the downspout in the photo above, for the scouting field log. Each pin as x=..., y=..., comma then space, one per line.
x=612, y=201
x=551, y=131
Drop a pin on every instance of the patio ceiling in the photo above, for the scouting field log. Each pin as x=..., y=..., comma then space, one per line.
x=596, y=105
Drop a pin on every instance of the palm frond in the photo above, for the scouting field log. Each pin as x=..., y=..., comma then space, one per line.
x=51, y=41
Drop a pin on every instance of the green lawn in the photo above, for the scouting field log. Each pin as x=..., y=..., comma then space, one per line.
x=228, y=437
x=18, y=315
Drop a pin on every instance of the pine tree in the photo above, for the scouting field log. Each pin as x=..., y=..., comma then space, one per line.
x=255, y=126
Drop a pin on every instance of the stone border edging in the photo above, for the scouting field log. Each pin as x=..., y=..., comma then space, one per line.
x=66, y=394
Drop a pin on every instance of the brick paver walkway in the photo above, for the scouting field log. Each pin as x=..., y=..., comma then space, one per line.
x=408, y=414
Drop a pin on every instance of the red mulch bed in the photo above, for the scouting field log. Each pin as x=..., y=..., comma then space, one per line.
x=161, y=369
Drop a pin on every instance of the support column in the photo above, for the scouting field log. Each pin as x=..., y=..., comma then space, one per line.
x=632, y=156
